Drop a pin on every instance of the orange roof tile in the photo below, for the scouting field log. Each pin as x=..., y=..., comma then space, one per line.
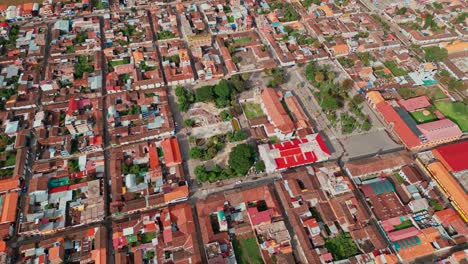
x=9, y=207
x=8, y=184
x=137, y=56
x=90, y=232
x=340, y=49
x=153, y=156
x=399, y=126
x=177, y=193
x=450, y=186
x=2, y=246
x=55, y=253
x=99, y=256
x=423, y=249
x=297, y=111
x=276, y=111
x=171, y=151
x=386, y=259
x=431, y=233
x=375, y=97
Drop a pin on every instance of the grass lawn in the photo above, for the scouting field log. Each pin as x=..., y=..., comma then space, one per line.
x=421, y=118
x=457, y=112
x=436, y=94
x=247, y=250
x=241, y=40
x=119, y=62
x=252, y=110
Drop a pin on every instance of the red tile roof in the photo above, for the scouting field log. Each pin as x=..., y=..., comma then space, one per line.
x=8, y=184
x=257, y=217
x=453, y=156
x=171, y=152
x=399, y=126
x=276, y=111
x=9, y=207
x=415, y=103
x=180, y=192
x=72, y=106
x=153, y=156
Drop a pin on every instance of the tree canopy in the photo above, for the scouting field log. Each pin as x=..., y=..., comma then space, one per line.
x=341, y=246
x=435, y=54
x=241, y=158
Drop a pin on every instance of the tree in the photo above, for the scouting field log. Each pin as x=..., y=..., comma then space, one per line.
x=196, y=153
x=401, y=11
x=259, y=166
x=347, y=84
x=180, y=91
x=278, y=77
x=357, y=99
x=455, y=84
x=288, y=29
x=241, y=158
x=225, y=115
x=429, y=21
x=222, y=89
x=341, y=246
x=461, y=18
x=189, y=122
x=319, y=77
x=222, y=102
x=366, y=125
x=310, y=71
x=435, y=54
x=184, y=98
x=201, y=174
x=436, y=205
x=210, y=153
x=238, y=83
x=204, y=94
x=237, y=136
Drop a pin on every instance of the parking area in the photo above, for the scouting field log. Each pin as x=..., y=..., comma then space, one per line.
x=368, y=144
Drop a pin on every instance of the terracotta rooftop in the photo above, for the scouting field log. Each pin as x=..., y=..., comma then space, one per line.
x=378, y=164
x=276, y=111
x=415, y=103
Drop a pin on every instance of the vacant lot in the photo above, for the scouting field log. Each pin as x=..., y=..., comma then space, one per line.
x=433, y=92
x=247, y=251
x=252, y=110
x=457, y=112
